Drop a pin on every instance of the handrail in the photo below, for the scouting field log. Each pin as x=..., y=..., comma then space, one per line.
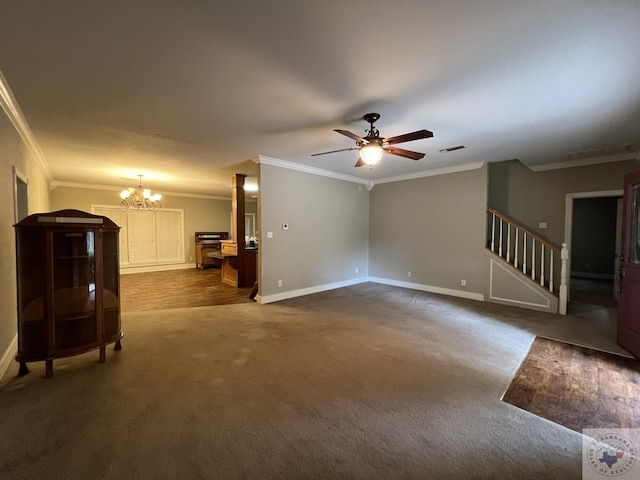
x=525, y=229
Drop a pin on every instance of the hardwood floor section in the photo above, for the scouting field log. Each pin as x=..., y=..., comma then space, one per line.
x=177, y=289
x=577, y=387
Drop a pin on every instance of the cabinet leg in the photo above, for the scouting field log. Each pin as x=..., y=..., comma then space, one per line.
x=23, y=369
x=48, y=370
x=103, y=354
x=117, y=346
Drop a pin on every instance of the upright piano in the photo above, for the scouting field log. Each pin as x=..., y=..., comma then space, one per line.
x=208, y=242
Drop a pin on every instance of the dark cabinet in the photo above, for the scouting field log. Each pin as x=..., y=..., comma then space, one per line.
x=68, y=280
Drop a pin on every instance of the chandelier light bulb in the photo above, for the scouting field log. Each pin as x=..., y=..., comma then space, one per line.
x=140, y=198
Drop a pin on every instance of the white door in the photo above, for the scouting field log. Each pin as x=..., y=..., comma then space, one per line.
x=141, y=226
x=169, y=236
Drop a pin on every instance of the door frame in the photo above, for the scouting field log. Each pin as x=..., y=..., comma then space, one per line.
x=568, y=221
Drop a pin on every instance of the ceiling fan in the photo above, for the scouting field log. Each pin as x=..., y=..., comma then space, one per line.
x=373, y=146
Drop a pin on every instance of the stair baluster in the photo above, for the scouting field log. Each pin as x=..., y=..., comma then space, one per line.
x=524, y=253
x=500, y=246
x=508, y=242
x=542, y=264
x=533, y=258
x=493, y=233
x=515, y=255
x=519, y=248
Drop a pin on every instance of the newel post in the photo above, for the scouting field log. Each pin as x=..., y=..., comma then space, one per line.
x=564, y=258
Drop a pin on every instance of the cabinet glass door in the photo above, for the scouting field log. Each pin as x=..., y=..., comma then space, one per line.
x=111, y=291
x=32, y=336
x=74, y=289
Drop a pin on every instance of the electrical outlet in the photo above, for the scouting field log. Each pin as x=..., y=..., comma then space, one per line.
x=463, y=283
x=279, y=283
x=285, y=226
x=269, y=234
x=357, y=270
x=409, y=274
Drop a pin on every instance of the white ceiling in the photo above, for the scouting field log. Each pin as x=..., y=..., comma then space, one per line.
x=185, y=92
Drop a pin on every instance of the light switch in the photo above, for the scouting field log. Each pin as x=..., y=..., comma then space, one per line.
x=542, y=225
x=269, y=234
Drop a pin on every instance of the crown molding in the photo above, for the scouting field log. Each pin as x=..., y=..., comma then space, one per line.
x=13, y=111
x=433, y=173
x=368, y=183
x=583, y=162
x=313, y=170
x=115, y=188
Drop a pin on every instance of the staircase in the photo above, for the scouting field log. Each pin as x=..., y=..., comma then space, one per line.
x=524, y=269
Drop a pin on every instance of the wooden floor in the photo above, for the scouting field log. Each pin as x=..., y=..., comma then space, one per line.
x=577, y=387
x=177, y=289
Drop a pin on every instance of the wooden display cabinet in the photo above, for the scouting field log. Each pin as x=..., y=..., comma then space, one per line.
x=68, y=277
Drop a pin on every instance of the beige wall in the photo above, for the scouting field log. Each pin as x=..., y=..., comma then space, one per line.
x=328, y=231
x=14, y=152
x=432, y=227
x=531, y=197
x=200, y=214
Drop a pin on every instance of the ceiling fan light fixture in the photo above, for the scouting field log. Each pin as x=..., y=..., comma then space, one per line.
x=372, y=146
x=371, y=154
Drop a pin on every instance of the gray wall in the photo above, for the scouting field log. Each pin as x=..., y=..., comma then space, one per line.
x=328, y=230
x=532, y=197
x=14, y=152
x=200, y=214
x=432, y=227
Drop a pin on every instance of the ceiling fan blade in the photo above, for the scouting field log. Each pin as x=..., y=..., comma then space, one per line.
x=360, y=163
x=352, y=136
x=335, y=151
x=404, y=153
x=408, y=137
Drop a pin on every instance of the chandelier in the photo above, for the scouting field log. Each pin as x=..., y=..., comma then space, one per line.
x=140, y=197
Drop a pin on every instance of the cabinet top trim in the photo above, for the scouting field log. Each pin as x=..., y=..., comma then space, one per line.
x=66, y=217
x=98, y=221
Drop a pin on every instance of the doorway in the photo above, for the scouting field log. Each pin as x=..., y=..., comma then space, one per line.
x=591, y=231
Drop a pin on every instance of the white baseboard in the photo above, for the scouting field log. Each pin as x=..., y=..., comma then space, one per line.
x=331, y=286
x=429, y=288
x=308, y=291
x=8, y=356
x=156, y=268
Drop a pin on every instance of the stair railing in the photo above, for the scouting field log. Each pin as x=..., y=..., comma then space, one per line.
x=529, y=253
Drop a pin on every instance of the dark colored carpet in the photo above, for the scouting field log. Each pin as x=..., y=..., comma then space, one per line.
x=577, y=387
